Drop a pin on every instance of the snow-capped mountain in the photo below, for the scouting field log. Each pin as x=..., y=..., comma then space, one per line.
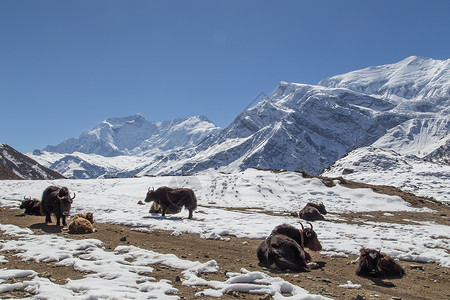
x=15, y=165
x=134, y=135
x=122, y=147
x=297, y=127
x=403, y=107
x=415, y=84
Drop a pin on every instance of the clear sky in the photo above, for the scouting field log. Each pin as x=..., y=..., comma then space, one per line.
x=67, y=65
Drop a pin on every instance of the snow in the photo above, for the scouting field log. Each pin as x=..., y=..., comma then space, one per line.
x=248, y=205
x=118, y=274
x=381, y=167
x=350, y=285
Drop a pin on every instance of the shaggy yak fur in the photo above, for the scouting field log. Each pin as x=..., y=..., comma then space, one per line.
x=284, y=248
x=172, y=200
x=82, y=223
x=57, y=201
x=32, y=207
x=313, y=212
x=374, y=263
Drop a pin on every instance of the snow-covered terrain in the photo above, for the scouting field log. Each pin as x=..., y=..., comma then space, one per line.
x=402, y=107
x=239, y=204
x=118, y=274
x=386, y=167
x=245, y=204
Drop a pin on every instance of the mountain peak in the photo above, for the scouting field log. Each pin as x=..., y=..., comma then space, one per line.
x=134, y=135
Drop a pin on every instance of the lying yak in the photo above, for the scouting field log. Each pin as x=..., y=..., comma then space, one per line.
x=313, y=212
x=32, y=206
x=374, y=263
x=171, y=200
x=284, y=248
x=56, y=201
x=82, y=223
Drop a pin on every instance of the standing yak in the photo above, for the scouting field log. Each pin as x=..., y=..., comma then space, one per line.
x=56, y=201
x=172, y=200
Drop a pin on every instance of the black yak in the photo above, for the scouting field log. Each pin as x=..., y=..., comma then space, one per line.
x=32, y=206
x=313, y=212
x=172, y=200
x=284, y=248
x=374, y=263
x=56, y=201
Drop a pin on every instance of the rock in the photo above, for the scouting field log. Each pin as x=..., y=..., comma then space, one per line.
x=141, y=203
x=177, y=278
x=123, y=239
x=417, y=267
x=326, y=280
x=359, y=297
x=313, y=266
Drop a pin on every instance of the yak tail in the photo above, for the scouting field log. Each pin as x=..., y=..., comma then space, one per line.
x=193, y=205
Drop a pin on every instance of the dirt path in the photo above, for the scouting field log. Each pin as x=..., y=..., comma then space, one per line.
x=422, y=281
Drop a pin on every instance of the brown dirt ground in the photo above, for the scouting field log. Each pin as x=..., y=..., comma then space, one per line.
x=422, y=281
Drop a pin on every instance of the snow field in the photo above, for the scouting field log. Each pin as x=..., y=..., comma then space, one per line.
x=250, y=204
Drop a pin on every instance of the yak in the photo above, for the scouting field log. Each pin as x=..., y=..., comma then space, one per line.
x=56, y=201
x=282, y=252
x=172, y=200
x=374, y=263
x=313, y=212
x=284, y=247
x=82, y=223
x=32, y=206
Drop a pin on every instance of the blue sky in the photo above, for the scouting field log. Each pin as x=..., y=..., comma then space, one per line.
x=67, y=65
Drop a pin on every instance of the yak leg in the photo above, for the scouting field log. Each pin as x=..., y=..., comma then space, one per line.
x=48, y=218
x=64, y=220
x=190, y=214
x=58, y=220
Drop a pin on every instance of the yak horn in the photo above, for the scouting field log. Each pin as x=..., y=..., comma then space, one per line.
x=302, y=239
x=74, y=195
x=311, y=226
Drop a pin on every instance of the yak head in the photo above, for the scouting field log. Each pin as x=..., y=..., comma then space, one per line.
x=65, y=200
x=150, y=194
x=27, y=203
x=310, y=239
x=369, y=261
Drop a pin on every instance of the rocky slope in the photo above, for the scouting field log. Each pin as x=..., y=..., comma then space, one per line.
x=15, y=165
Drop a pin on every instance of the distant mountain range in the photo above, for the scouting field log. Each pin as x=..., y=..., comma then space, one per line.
x=402, y=107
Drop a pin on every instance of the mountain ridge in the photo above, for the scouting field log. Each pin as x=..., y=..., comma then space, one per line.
x=306, y=127
x=15, y=165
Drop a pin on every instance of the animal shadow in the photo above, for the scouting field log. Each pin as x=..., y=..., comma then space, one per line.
x=159, y=217
x=382, y=283
x=47, y=228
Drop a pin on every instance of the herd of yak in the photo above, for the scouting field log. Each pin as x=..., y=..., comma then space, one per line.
x=283, y=249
